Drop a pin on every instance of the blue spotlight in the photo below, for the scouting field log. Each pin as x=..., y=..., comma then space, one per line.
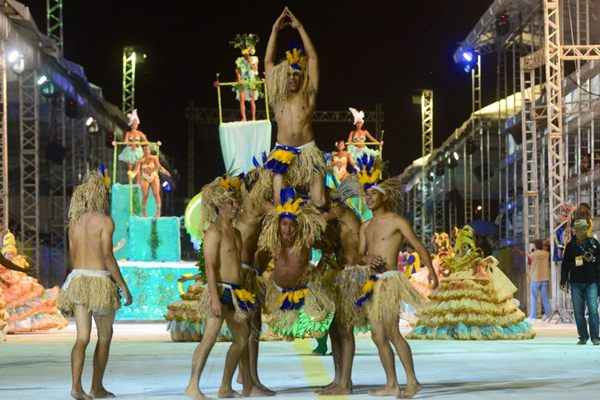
x=467, y=57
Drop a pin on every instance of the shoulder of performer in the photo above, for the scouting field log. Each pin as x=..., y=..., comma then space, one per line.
x=212, y=232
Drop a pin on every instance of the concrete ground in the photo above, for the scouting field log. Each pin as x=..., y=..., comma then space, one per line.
x=146, y=365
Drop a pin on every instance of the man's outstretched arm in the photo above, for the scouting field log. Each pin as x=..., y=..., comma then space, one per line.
x=309, y=48
x=272, y=43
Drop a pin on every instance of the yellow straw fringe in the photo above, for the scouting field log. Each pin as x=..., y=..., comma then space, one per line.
x=349, y=283
x=388, y=294
x=205, y=311
x=96, y=294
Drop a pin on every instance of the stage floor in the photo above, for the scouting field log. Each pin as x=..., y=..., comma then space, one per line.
x=145, y=364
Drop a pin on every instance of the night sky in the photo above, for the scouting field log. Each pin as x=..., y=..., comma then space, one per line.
x=370, y=52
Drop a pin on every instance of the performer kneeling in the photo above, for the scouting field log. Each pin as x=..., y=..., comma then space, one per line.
x=294, y=291
x=386, y=288
x=225, y=299
x=91, y=287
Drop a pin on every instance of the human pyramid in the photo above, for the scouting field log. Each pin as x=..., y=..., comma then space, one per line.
x=281, y=242
x=283, y=212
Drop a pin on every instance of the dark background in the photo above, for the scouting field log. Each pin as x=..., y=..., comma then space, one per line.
x=370, y=52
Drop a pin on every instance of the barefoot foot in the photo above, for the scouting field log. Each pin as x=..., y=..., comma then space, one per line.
x=102, y=393
x=228, y=393
x=195, y=394
x=385, y=391
x=409, y=391
x=336, y=390
x=80, y=395
x=258, y=391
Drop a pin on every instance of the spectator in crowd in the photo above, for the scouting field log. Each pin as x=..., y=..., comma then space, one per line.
x=539, y=272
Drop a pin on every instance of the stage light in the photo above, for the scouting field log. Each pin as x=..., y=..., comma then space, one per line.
x=456, y=156
x=47, y=88
x=503, y=24
x=479, y=208
x=166, y=186
x=16, y=60
x=467, y=57
x=92, y=125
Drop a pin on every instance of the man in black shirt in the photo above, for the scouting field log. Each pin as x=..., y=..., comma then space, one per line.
x=581, y=271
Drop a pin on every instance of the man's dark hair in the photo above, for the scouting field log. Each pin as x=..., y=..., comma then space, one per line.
x=539, y=244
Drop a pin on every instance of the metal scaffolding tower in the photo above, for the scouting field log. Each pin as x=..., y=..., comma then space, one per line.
x=29, y=165
x=427, y=122
x=54, y=15
x=130, y=59
x=426, y=224
x=530, y=147
x=57, y=169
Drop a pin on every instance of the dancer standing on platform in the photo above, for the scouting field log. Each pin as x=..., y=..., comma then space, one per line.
x=386, y=288
x=90, y=290
x=132, y=153
x=148, y=168
x=246, y=70
x=224, y=298
x=358, y=136
x=341, y=160
x=292, y=87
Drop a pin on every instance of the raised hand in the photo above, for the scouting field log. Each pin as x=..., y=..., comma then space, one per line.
x=294, y=22
x=281, y=21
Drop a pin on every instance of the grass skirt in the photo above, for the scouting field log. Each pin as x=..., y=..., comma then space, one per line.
x=131, y=156
x=205, y=311
x=186, y=325
x=472, y=309
x=308, y=164
x=312, y=320
x=349, y=283
x=390, y=291
x=97, y=294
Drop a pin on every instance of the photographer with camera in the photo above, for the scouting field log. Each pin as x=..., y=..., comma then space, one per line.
x=581, y=272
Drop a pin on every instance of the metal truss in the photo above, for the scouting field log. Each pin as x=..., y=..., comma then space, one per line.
x=210, y=116
x=484, y=37
x=77, y=146
x=426, y=220
x=29, y=165
x=129, y=63
x=54, y=14
x=58, y=185
x=426, y=122
x=439, y=206
x=4, y=208
x=418, y=210
x=530, y=173
x=468, y=184
x=580, y=52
